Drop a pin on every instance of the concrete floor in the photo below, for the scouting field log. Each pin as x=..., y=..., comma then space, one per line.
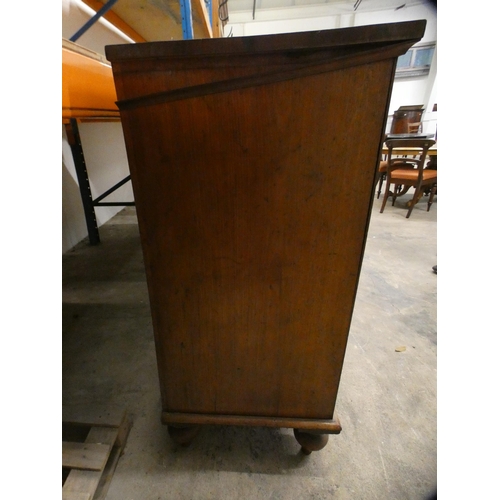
x=386, y=404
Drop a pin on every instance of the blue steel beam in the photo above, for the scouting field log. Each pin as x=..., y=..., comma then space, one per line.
x=208, y=4
x=187, y=19
x=93, y=20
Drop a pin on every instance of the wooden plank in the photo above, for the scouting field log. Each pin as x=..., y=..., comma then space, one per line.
x=123, y=432
x=98, y=434
x=87, y=456
x=216, y=22
x=107, y=475
x=102, y=435
x=325, y=426
x=83, y=414
x=201, y=10
x=82, y=481
x=74, y=495
x=92, y=482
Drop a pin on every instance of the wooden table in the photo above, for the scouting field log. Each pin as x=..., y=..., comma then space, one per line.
x=410, y=151
x=431, y=152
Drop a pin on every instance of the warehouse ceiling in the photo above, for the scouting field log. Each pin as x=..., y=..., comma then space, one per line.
x=156, y=20
x=342, y=6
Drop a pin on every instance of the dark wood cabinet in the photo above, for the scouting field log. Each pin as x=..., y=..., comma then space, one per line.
x=253, y=163
x=407, y=119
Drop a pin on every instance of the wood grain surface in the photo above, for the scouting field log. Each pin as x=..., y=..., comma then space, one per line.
x=253, y=204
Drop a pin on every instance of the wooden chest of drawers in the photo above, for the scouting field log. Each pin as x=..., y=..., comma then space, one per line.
x=253, y=163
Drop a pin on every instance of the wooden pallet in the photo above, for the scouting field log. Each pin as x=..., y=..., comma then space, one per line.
x=92, y=442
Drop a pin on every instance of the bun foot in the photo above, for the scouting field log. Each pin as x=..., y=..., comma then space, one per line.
x=310, y=441
x=183, y=434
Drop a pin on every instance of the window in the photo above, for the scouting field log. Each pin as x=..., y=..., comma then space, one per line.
x=416, y=62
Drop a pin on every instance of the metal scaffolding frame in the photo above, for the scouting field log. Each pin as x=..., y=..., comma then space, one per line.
x=73, y=133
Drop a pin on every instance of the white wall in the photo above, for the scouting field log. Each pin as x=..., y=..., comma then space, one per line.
x=407, y=91
x=105, y=157
x=102, y=142
x=417, y=90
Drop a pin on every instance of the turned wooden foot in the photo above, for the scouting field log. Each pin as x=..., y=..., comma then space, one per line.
x=183, y=434
x=310, y=441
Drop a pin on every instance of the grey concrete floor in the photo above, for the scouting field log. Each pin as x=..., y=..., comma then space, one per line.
x=386, y=404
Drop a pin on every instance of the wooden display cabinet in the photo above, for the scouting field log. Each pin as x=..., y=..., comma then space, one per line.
x=253, y=163
x=407, y=119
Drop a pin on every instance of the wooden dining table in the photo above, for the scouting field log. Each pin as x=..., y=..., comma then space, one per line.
x=431, y=152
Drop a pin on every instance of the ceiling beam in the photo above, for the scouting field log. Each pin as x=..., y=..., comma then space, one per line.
x=216, y=25
x=201, y=9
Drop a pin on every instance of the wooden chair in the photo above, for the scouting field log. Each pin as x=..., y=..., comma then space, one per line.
x=381, y=172
x=381, y=175
x=414, y=128
x=405, y=173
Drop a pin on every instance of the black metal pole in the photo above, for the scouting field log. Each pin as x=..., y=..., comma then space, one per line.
x=83, y=180
x=97, y=201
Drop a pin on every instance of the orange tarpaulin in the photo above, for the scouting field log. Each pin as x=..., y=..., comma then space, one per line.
x=88, y=89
